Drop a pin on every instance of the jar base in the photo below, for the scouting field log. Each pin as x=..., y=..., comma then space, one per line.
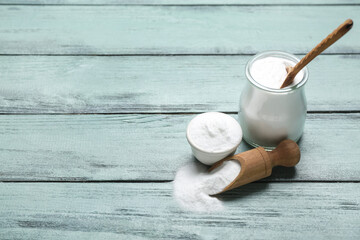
x=267, y=148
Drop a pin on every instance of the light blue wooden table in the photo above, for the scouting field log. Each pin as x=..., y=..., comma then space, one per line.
x=95, y=97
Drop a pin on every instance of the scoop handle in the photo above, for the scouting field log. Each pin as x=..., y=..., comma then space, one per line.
x=257, y=163
x=286, y=154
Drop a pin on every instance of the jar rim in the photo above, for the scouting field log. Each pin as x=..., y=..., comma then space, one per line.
x=282, y=54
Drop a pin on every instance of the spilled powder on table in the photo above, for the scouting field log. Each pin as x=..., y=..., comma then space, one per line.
x=193, y=185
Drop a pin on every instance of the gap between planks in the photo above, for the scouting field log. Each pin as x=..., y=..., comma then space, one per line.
x=155, y=54
x=168, y=181
x=184, y=5
x=165, y=113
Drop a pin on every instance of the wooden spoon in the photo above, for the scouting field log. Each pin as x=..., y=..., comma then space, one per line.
x=258, y=163
x=327, y=42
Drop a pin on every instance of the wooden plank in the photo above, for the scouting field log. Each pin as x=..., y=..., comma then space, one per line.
x=148, y=211
x=172, y=29
x=179, y=2
x=153, y=147
x=83, y=84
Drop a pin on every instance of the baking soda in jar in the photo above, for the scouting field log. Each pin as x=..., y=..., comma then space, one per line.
x=267, y=113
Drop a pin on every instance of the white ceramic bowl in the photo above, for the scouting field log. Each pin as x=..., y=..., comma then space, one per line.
x=211, y=157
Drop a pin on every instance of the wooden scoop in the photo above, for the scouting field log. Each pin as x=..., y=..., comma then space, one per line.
x=327, y=42
x=258, y=163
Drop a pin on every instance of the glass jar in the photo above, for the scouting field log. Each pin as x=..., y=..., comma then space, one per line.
x=267, y=115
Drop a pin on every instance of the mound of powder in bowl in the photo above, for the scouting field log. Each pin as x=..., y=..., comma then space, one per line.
x=193, y=185
x=214, y=132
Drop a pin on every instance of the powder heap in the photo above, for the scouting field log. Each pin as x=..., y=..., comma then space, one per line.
x=214, y=132
x=193, y=185
x=271, y=72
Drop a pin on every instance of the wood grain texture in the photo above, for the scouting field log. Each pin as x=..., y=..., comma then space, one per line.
x=171, y=29
x=148, y=211
x=152, y=147
x=83, y=84
x=180, y=2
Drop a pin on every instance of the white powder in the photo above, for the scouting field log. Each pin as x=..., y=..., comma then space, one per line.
x=193, y=184
x=271, y=72
x=214, y=132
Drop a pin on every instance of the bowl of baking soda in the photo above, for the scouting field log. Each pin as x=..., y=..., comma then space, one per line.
x=213, y=136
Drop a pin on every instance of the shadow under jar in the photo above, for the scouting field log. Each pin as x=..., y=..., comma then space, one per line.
x=268, y=115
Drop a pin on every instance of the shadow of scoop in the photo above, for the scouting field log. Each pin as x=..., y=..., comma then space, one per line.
x=279, y=173
x=252, y=190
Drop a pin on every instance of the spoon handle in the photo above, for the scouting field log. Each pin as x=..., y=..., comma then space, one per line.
x=324, y=44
